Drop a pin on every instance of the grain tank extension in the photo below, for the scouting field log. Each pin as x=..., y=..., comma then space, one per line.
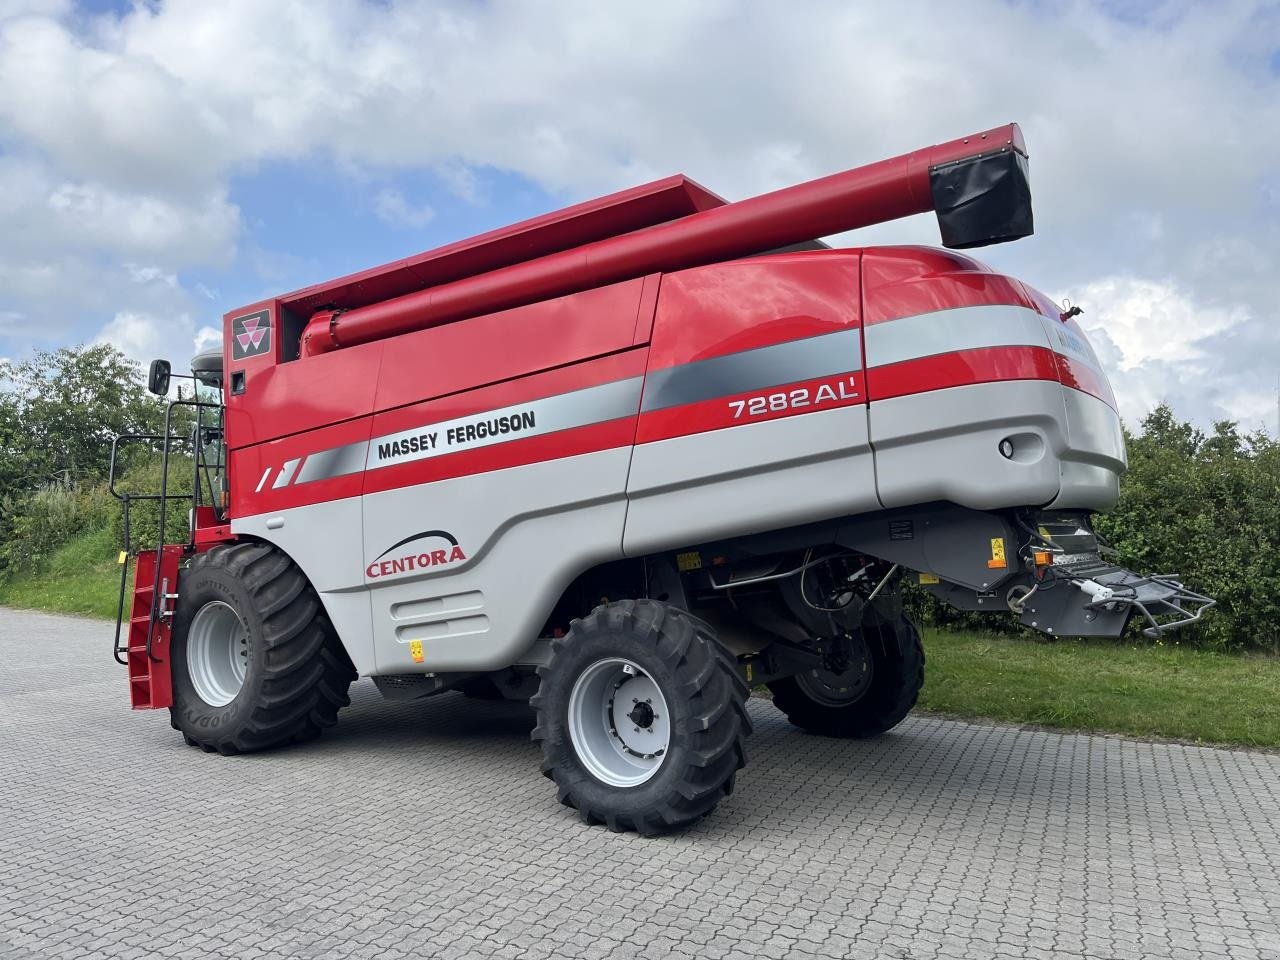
x=627, y=458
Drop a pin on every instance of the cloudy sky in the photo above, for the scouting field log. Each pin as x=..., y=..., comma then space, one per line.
x=164, y=162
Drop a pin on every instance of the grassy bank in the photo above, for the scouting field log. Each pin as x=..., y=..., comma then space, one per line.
x=1144, y=691
x=81, y=577
x=1141, y=691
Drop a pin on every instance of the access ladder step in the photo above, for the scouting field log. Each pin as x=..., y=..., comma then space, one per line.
x=150, y=625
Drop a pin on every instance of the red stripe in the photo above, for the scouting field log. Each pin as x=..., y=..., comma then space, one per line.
x=961, y=368
x=1084, y=378
x=843, y=390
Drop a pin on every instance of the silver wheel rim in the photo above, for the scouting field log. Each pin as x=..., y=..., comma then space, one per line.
x=217, y=653
x=619, y=722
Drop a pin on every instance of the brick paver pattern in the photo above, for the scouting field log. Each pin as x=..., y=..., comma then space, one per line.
x=424, y=830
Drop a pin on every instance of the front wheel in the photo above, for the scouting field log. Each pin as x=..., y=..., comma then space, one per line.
x=255, y=661
x=868, y=685
x=642, y=717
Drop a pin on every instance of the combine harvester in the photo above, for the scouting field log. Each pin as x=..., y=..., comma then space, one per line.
x=624, y=460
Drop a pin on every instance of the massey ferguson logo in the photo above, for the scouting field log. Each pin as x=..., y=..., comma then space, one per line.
x=251, y=335
x=417, y=556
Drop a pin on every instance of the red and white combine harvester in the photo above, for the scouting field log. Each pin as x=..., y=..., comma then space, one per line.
x=624, y=460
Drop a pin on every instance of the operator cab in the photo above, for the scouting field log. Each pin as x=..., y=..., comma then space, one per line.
x=207, y=368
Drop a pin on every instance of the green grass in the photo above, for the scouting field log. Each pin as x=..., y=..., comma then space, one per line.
x=82, y=577
x=1144, y=691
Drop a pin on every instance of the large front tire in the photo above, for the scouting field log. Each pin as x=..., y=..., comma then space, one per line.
x=642, y=718
x=255, y=661
x=872, y=693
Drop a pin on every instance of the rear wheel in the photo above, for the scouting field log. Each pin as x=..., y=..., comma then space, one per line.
x=642, y=717
x=255, y=660
x=867, y=685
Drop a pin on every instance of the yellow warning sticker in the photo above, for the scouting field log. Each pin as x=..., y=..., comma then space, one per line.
x=123, y=557
x=689, y=561
x=997, y=561
x=415, y=650
x=1045, y=533
x=928, y=578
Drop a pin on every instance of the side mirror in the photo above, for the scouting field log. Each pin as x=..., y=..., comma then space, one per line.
x=158, y=378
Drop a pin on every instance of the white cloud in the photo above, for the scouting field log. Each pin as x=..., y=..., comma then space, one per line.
x=144, y=337
x=44, y=214
x=207, y=338
x=1148, y=320
x=1160, y=344
x=393, y=209
x=1154, y=140
x=12, y=9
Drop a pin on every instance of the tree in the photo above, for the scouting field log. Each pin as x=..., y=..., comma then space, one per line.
x=59, y=411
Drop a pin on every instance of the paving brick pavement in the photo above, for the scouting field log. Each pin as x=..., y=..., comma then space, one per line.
x=424, y=830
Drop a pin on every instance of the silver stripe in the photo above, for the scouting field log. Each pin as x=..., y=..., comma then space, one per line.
x=786, y=362
x=334, y=462
x=286, y=473
x=1067, y=343
x=959, y=328
x=579, y=408
x=263, y=482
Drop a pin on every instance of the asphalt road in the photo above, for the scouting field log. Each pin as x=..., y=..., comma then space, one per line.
x=423, y=830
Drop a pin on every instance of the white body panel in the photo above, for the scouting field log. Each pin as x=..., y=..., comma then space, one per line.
x=313, y=536
x=945, y=445
x=750, y=478
x=527, y=532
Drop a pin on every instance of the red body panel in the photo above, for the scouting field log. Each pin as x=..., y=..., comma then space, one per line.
x=906, y=281
x=729, y=307
x=634, y=328
x=281, y=399
x=513, y=343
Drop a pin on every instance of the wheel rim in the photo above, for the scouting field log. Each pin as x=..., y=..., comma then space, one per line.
x=619, y=722
x=844, y=680
x=217, y=653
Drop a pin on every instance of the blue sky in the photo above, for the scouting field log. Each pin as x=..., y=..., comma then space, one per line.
x=164, y=162
x=308, y=222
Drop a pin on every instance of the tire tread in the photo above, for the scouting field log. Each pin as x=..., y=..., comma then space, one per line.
x=306, y=670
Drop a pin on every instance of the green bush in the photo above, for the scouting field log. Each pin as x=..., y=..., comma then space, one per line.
x=1203, y=506
x=1207, y=507
x=144, y=515
x=33, y=527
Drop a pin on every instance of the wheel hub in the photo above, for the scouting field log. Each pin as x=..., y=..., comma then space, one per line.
x=642, y=715
x=619, y=722
x=217, y=653
x=845, y=675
